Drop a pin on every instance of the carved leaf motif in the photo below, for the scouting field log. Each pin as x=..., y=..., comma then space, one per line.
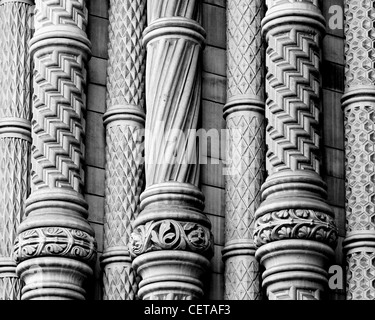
x=282, y=214
x=284, y=232
x=304, y=232
x=320, y=234
x=54, y=248
x=304, y=214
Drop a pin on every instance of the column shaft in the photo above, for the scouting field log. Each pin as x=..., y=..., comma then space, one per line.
x=124, y=121
x=15, y=133
x=244, y=113
x=295, y=230
x=172, y=242
x=55, y=247
x=358, y=105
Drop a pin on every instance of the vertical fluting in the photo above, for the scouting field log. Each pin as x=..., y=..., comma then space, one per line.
x=172, y=243
x=244, y=114
x=358, y=105
x=15, y=133
x=294, y=231
x=124, y=121
x=55, y=247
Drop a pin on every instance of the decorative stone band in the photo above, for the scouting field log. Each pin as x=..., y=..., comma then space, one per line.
x=239, y=247
x=295, y=224
x=240, y=103
x=172, y=220
x=172, y=235
x=116, y=255
x=294, y=209
x=358, y=95
x=360, y=240
x=133, y=115
x=52, y=241
x=15, y=128
x=174, y=27
x=56, y=225
x=7, y=268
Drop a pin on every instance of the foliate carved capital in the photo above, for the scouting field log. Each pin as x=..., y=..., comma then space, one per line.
x=171, y=235
x=295, y=224
x=55, y=241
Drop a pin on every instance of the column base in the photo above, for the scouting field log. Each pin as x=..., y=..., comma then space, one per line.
x=295, y=269
x=53, y=278
x=171, y=275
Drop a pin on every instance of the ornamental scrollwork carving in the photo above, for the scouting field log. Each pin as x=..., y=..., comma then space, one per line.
x=295, y=224
x=55, y=241
x=171, y=235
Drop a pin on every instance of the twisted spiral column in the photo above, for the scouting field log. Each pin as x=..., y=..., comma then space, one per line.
x=358, y=105
x=124, y=121
x=55, y=247
x=172, y=242
x=15, y=133
x=244, y=114
x=295, y=231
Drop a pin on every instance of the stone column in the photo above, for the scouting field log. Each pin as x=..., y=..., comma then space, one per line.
x=124, y=121
x=172, y=243
x=55, y=247
x=358, y=105
x=295, y=231
x=15, y=133
x=244, y=113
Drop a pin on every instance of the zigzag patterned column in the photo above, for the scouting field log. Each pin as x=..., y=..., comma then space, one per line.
x=55, y=246
x=295, y=229
x=124, y=122
x=358, y=104
x=244, y=113
x=15, y=133
x=172, y=243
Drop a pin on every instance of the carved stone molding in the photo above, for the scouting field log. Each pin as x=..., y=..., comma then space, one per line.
x=294, y=214
x=358, y=104
x=15, y=132
x=52, y=241
x=124, y=122
x=244, y=114
x=171, y=235
x=295, y=224
x=56, y=246
x=171, y=219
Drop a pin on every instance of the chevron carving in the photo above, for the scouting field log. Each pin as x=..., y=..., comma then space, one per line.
x=59, y=84
x=61, y=12
x=293, y=101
